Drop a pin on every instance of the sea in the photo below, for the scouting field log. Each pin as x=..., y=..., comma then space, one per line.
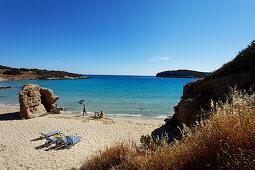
x=118, y=96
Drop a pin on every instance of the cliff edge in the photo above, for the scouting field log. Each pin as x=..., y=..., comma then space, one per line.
x=197, y=95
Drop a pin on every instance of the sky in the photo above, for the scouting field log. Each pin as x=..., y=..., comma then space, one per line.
x=124, y=37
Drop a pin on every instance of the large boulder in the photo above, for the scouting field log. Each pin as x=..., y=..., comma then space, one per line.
x=36, y=101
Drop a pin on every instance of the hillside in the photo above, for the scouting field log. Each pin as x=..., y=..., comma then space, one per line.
x=182, y=74
x=8, y=73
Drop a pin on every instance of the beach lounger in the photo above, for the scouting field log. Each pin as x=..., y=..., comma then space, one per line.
x=49, y=134
x=61, y=141
x=71, y=140
x=51, y=140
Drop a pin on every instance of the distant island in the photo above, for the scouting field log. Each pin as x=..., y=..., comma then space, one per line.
x=8, y=73
x=182, y=74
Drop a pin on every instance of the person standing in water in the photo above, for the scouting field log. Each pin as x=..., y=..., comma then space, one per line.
x=84, y=110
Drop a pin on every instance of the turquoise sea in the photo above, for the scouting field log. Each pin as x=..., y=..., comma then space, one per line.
x=116, y=96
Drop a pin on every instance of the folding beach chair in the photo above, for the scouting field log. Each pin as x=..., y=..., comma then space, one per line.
x=49, y=134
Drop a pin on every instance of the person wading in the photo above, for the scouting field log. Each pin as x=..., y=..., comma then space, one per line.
x=84, y=110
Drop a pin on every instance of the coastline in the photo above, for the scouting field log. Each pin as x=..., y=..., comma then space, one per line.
x=118, y=116
x=18, y=150
x=118, y=96
x=107, y=115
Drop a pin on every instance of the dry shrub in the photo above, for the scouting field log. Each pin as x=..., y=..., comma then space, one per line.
x=225, y=140
x=119, y=156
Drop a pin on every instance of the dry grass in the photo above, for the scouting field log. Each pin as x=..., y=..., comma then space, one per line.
x=224, y=141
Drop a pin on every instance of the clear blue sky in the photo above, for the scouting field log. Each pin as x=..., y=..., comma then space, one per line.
x=138, y=37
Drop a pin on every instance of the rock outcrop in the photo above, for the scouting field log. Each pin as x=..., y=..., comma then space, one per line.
x=197, y=95
x=6, y=87
x=36, y=101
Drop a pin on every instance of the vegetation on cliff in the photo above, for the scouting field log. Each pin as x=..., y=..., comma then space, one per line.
x=182, y=74
x=4, y=67
x=12, y=71
x=36, y=74
x=46, y=74
x=244, y=62
x=224, y=141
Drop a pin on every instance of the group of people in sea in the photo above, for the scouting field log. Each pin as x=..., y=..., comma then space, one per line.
x=97, y=114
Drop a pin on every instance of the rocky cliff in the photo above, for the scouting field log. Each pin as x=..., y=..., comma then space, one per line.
x=197, y=95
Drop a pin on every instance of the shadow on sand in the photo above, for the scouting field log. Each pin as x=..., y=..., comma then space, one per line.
x=166, y=133
x=42, y=146
x=47, y=147
x=36, y=139
x=9, y=116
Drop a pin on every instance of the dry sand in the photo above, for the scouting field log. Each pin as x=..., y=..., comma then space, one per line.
x=18, y=150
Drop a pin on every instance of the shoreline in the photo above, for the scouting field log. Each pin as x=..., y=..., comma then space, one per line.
x=118, y=116
x=20, y=150
x=108, y=115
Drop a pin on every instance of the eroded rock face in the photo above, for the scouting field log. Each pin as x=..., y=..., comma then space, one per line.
x=198, y=95
x=49, y=99
x=36, y=101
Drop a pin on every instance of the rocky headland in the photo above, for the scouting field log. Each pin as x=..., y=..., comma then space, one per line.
x=8, y=73
x=199, y=95
x=182, y=74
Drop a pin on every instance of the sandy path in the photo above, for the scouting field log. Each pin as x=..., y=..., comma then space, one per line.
x=17, y=151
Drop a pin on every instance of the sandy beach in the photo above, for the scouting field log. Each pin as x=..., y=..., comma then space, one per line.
x=19, y=150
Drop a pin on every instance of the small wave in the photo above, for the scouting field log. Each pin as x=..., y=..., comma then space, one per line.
x=65, y=112
x=125, y=115
x=162, y=116
x=111, y=115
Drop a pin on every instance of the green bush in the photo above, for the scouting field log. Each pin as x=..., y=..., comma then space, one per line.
x=23, y=69
x=12, y=72
x=45, y=74
x=4, y=67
